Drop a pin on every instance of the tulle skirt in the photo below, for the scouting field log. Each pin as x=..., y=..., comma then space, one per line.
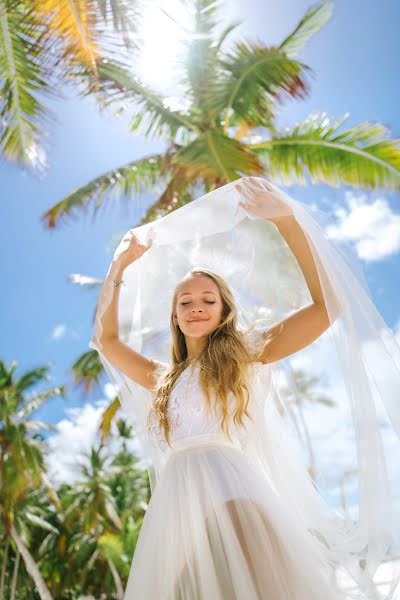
x=215, y=530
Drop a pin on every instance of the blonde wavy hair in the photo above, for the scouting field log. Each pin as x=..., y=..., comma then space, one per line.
x=223, y=363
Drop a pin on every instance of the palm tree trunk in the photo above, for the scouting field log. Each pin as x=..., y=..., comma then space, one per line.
x=311, y=455
x=15, y=575
x=117, y=579
x=4, y=567
x=31, y=566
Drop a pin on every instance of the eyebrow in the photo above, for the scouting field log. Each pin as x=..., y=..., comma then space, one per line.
x=190, y=293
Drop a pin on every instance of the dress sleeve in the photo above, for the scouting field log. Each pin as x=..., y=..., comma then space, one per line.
x=255, y=340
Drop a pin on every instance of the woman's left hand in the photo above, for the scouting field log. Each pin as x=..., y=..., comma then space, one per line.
x=262, y=200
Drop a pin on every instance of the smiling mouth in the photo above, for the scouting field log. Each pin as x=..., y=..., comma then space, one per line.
x=197, y=320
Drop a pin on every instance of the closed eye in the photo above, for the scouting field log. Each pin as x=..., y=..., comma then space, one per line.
x=206, y=301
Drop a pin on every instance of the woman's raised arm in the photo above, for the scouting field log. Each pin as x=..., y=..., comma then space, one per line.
x=136, y=366
x=306, y=324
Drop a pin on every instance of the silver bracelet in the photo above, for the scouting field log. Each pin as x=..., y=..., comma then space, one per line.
x=118, y=283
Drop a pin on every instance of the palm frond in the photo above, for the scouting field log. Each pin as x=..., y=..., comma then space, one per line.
x=123, y=15
x=34, y=519
x=201, y=56
x=32, y=404
x=87, y=371
x=31, y=378
x=73, y=27
x=152, y=116
x=107, y=419
x=205, y=15
x=132, y=178
x=314, y=19
x=34, y=424
x=23, y=77
x=253, y=76
x=176, y=194
x=362, y=156
x=214, y=155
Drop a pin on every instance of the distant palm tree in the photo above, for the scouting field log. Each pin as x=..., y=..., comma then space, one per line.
x=45, y=44
x=100, y=520
x=89, y=511
x=301, y=391
x=35, y=518
x=21, y=462
x=130, y=487
x=225, y=127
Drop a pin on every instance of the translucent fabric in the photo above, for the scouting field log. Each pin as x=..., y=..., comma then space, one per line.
x=216, y=529
x=214, y=232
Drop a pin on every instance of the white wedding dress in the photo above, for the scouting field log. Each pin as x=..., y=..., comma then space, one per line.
x=246, y=519
x=215, y=529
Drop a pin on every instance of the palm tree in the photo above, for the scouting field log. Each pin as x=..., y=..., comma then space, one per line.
x=89, y=512
x=300, y=392
x=130, y=487
x=21, y=461
x=35, y=519
x=93, y=534
x=45, y=44
x=225, y=127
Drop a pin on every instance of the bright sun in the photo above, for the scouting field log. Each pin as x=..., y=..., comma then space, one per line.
x=163, y=30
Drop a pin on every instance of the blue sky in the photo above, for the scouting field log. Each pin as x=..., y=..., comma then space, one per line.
x=47, y=320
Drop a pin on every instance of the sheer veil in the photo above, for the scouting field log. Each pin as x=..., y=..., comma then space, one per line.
x=356, y=525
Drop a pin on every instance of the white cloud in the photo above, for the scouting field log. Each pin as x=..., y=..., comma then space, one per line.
x=372, y=227
x=76, y=434
x=61, y=331
x=58, y=332
x=110, y=390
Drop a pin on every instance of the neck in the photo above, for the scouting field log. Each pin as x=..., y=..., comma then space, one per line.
x=195, y=347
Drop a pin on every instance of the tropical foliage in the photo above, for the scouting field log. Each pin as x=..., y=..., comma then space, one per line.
x=45, y=44
x=80, y=537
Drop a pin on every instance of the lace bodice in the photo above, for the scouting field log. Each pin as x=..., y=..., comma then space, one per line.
x=187, y=405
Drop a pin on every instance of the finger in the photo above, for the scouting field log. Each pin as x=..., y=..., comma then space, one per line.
x=249, y=190
x=256, y=186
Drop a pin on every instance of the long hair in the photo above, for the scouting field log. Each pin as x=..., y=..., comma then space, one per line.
x=223, y=363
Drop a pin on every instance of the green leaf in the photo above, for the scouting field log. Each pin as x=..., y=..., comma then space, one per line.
x=23, y=77
x=201, y=62
x=32, y=404
x=217, y=156
x=152, y=116
x=87, y=370
x=124, y=17
x=133, y=178
x=314, y=19
x=253, y=76
x=361, y=156
x=31, y=378
x=107, y=418
x=40, y=522
x=177, y=193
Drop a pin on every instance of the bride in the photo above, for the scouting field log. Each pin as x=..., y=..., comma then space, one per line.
x=234, y=512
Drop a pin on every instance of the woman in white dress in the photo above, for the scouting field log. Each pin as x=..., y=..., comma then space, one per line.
x=222, y=524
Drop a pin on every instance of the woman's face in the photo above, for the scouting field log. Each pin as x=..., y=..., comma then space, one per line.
x=198, y=306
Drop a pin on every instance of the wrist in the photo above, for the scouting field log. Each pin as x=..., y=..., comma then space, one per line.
x=116, y=271
x=285, y=221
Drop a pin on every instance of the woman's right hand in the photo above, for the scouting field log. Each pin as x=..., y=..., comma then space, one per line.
x=133, y=252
